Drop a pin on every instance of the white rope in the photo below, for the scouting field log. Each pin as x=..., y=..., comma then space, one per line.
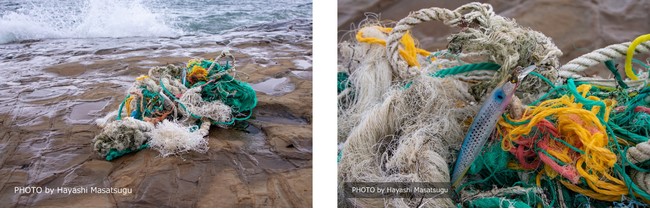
x=487, y=36
x=598, y=56
x=642, y=179
x=223, y=54
x=215, y=110
x=400, y=67
x=633, y=85
x=639, y=153
x=501, y=192
x=122, y=134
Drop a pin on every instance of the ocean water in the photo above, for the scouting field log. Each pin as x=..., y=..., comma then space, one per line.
x=37, y=34
x=46, y=19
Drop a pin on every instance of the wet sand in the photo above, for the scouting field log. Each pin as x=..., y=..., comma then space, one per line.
x=47, y=123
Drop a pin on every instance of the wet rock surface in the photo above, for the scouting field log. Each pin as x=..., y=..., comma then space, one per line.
x=47, y=123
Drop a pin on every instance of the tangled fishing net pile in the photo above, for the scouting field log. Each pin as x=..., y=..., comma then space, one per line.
x=567, y=140
x=172, y=108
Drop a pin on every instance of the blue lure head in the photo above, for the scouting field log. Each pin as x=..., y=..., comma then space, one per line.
x=502, y=95
x=504, y=92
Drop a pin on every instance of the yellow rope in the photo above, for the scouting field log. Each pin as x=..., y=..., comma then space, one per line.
x=592, y=194
x=141, y=78
x=198, y=73
x=408, y=51
x=630, y=54
x=128, y=105
x=193, y=62
x=370, y=40
x=538, y=182
x=581, y=128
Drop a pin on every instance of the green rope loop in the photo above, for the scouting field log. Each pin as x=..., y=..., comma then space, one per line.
x=466, y=68
x=119, y=111
x=612, y=68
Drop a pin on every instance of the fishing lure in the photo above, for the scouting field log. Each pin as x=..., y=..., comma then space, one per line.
x=484, y=123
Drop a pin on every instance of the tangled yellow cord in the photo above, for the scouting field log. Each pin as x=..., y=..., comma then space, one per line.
x=128, y=100
x=128, y=105
x=197, y=74
x=408, y=51
x=580, y=128
x=630, y=54
x=141, y=78
x=192, y=62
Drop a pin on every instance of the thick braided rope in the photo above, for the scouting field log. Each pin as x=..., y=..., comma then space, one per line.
x=633, y=85
x=400, y=67
x=614, y=51
x=639, y=153
x=642, y=179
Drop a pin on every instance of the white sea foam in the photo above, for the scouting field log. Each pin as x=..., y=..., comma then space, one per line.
x=84, y=19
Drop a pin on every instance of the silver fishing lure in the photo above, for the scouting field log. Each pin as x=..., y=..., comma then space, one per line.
x=484, y=123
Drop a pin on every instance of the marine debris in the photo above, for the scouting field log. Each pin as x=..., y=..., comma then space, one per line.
x=172, y=109
x=566, y=139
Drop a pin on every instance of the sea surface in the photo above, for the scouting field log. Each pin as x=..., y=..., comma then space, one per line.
x=71, y=28
x=45, y=19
